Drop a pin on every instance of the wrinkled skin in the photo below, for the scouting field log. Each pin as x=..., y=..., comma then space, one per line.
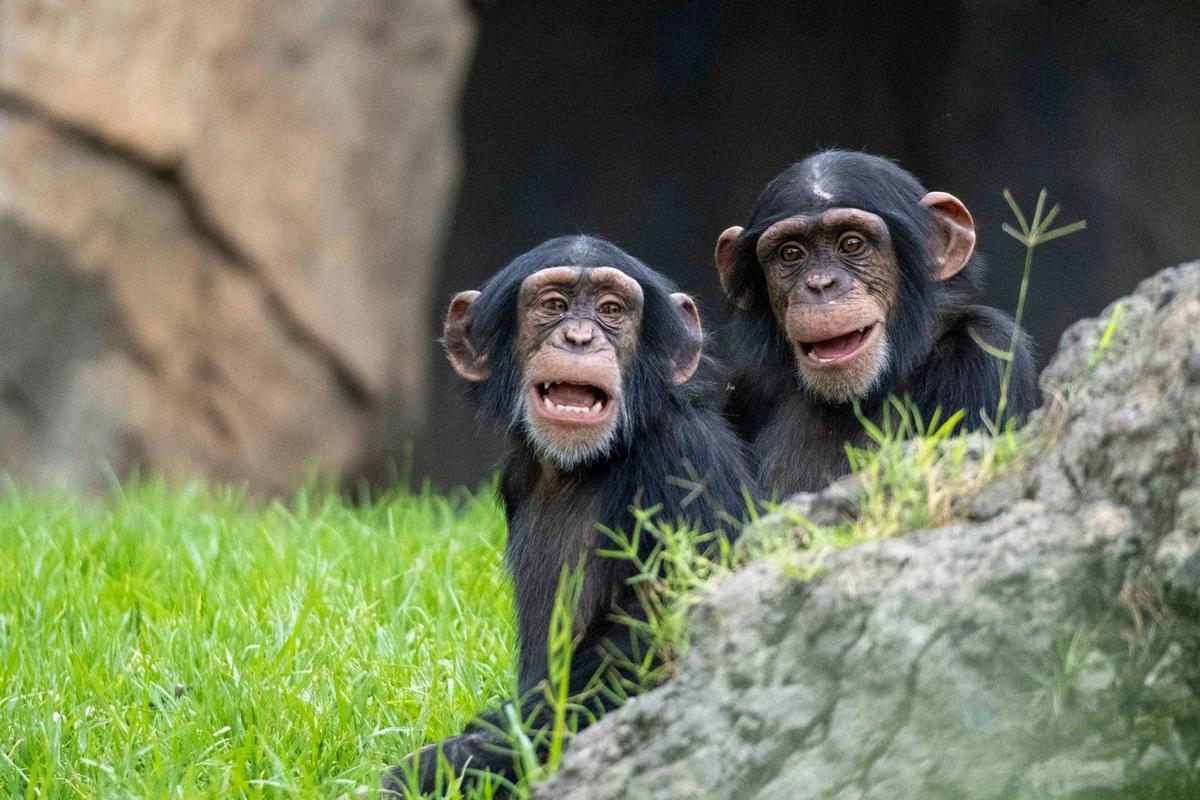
x=832, y=278
x=577, y=332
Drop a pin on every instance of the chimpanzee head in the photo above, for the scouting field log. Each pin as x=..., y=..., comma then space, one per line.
x=575, y=346
x=848, y=261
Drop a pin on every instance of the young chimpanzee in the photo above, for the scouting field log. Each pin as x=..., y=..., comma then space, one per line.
x=587, y=357
x=852, y=283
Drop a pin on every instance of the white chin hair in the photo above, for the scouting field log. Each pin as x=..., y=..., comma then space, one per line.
x=569, y=455
x=840, y=388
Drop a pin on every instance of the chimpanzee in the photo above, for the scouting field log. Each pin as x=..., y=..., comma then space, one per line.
x=588, y=359
x=851, y=283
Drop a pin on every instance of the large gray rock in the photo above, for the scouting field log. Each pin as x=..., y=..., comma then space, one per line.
x=244, y=199
x=1048, y=647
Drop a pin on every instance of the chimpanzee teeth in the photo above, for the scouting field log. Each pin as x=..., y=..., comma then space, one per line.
x=551, y=406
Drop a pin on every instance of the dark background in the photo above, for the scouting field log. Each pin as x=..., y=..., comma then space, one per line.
x=655, y=125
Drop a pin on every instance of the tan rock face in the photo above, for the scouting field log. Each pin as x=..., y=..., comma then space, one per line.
x=247, y=198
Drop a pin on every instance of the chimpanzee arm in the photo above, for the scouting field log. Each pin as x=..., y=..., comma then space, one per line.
x=487, y=743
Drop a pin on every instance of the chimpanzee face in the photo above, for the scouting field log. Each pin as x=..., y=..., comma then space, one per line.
x=577, y=334
x=832, y=280
x=573, y=346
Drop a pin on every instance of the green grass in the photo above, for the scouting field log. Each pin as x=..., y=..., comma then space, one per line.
x=191, y=643
x=188, y=643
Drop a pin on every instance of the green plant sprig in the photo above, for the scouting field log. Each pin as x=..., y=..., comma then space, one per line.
x=1031, y=234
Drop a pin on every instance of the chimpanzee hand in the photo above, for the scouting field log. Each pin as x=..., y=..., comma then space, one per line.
x=478, y=750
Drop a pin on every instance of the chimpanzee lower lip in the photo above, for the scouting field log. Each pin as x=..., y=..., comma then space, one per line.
x=577, y=409
x=867, y=334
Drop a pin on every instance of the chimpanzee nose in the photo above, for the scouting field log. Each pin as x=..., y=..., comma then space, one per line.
x=821, y=282
x=579, y=334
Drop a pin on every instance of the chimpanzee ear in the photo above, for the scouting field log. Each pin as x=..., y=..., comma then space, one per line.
x=456, y=336
x=958, y=232
x=725, y=260
x=689, y=356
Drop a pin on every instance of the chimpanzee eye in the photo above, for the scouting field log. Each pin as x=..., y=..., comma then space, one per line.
x=851, y=244
x=555, y=305
x=610, y=307
x=790, y=253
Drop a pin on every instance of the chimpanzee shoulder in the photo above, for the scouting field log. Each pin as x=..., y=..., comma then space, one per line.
x=961, y=373
x=691, y=465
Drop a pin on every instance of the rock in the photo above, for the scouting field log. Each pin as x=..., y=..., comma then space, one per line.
x=245, y=199
x=1048, y=647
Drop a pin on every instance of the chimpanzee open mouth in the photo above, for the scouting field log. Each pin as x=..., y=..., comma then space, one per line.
x=839, y=349
x=572, y=402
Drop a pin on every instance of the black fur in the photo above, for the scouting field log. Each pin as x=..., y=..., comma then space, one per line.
x=553, y=521
x=797, y=437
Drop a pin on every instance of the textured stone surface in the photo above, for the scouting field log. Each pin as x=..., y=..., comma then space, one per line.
x=1050, y=650
x=253, y=192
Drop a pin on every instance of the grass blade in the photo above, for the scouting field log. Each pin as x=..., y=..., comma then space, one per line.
x=1012, y=203
x=1036, y=225
x=1003, y=355
x=1050, y=215
x=1013, y=232
x=1065, y=230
